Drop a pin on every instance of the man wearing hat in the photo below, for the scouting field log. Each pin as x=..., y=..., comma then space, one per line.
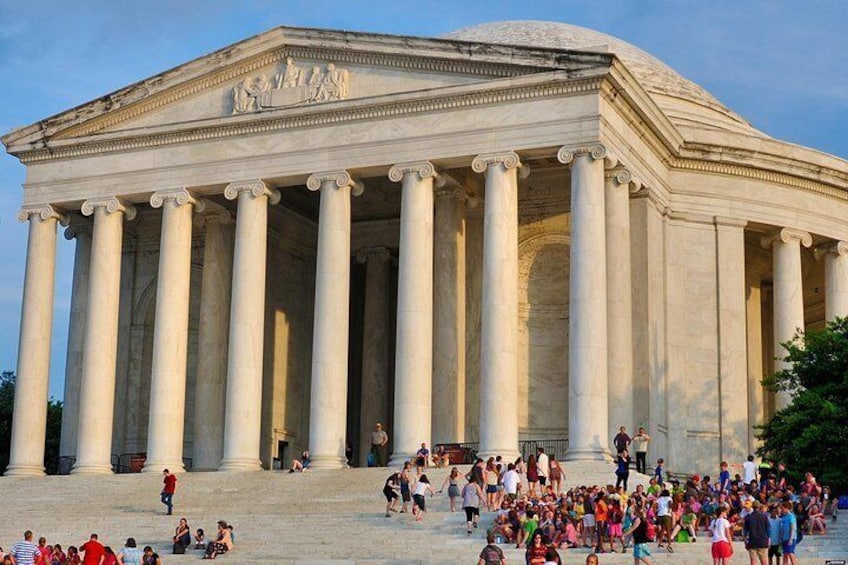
x=379, y=443
x=755, y=532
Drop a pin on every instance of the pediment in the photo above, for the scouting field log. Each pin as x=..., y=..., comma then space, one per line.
x=292, y=69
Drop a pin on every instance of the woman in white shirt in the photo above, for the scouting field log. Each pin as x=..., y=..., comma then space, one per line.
x=721, y=549
x=422, y=487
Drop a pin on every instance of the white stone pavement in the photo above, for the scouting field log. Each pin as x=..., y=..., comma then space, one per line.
x=333, y=517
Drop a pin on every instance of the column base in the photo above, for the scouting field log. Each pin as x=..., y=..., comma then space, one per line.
x=92, y=469
x=327, y=462
x=398, y=459
x=508, y=455
x=154, y=467
x=240, y=465
x=587, y=454
x=24, y=471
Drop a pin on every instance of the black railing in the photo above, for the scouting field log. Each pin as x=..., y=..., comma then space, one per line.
x=552, y=447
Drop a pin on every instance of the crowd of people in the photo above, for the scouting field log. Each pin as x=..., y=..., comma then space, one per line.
x=533, y=510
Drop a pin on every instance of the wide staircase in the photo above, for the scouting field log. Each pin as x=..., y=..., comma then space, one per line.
x=319, y=517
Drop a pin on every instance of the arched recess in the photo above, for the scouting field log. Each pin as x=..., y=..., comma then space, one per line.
x=543, y=335
x=137, y=401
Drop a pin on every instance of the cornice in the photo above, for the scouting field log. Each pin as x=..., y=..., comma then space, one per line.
x=715, y=167
x=354, y=110
x=257, y=62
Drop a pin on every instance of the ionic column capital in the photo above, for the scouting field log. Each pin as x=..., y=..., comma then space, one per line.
x=838, y=248
x=454, y=192
x=787, y=235
x=424, y=169
x=508, y=159
x=367, y=254
x=338, y=179
x=44, y=212
x=110, y=204
x=256, y=188
x=214, y=216
x=180, y=197
x=619, y=176
x=567, y=153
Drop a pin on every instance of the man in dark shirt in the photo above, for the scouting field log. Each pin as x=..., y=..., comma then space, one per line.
x=756, y=534
x=621, y=440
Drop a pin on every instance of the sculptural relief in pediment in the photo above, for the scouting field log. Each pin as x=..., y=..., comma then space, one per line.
x=292, y=85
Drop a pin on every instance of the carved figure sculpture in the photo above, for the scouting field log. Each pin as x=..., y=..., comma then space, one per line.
x=243, y=102
x=315, y=82
x=293, y=76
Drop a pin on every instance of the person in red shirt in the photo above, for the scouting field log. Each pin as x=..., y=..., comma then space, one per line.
x=168, y=490
x=94, y=551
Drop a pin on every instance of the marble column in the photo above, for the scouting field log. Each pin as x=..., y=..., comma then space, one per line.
x=170, y=332
x=375, y=404
x=732, y=338
x=210, y=385
x=619, y=302
x=499, y=333
x=449, y=316
x=100, y=342
x=328, y=401
x=81, y=232
x=29, y=420
x=414, y=342
x=835, y=279
x=754, y=343
x=788, y=295
x=588, y=437
x=243, y=411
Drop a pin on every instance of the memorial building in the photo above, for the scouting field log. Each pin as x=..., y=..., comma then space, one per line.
x=518, y=231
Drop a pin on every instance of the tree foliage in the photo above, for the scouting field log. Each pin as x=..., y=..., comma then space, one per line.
x=811, y=434
x=54, y=425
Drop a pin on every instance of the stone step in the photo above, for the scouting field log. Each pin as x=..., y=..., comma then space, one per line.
x=312, y=518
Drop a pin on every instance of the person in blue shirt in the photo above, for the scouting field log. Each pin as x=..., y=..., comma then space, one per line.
x=724, y=478
x=658, y=471
x=788, y=533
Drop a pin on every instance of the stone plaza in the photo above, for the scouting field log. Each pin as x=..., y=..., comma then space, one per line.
x=518, y=231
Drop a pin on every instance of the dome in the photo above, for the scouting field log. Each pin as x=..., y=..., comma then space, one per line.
x=684, y=102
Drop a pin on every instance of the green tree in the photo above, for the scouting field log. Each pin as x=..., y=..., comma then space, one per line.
x=54, y=425
x=811, y=434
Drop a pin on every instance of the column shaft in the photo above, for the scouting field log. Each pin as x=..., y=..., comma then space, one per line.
x=836, y=280
x=375, y=403
x=170, y=334
x=100, y=349
x=788, y=296
x=754, y=316
x=29, y=419
x=449, y=317
x=211, y=381
x=243, y=412
x=733, y=351
x=328, y=402
x=499, y=333
x=414, y=343
x=588, y=436
x=73, y=360
x=619, y=303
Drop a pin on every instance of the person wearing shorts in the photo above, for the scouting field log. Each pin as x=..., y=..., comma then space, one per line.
x=788, y=533
x=721, y=549
x=639, y=531
x=472, y=496
x=390, y=491
x=419, y=507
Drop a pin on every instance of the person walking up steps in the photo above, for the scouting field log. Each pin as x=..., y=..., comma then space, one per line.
x=472, y=497
x=169, y=487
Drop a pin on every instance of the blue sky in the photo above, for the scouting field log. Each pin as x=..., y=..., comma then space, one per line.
x=782, y=65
